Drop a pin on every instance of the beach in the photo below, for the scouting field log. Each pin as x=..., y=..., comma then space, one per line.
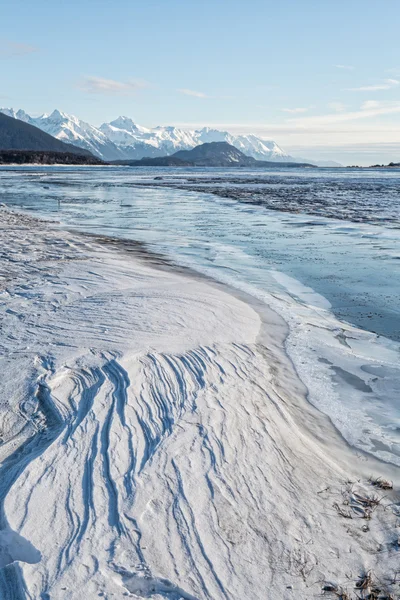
x=158, y=442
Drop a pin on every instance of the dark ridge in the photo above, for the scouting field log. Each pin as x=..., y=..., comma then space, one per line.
x=391, y=165
x=18, y=135
x=45, y=157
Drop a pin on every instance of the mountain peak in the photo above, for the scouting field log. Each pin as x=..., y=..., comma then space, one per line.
x=123, y=119
x=57, y=115
x=22, y=116
x=9, y=112
x=123, y=123
x=212, y=130
x=123, y=131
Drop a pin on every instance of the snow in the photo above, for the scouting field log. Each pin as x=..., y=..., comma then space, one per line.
x=156, y=439
x=70, y=129
x=127, y=124
x=10, y=112
x=123, y=138
x=13, y=548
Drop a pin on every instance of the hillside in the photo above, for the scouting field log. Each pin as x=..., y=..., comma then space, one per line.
x=216, y=154
x=18, y=135
x=222, y=154
x=161, y=161
x=212, y=154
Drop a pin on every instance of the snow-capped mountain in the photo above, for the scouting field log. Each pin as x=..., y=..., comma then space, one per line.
x=70, y=129
x=138, y=141
x=250, y=144
x=124, y=139
x=19, y=114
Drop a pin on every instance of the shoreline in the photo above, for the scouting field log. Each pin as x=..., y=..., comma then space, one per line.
x=140, y=252
x=281, y=332
x=231, y=452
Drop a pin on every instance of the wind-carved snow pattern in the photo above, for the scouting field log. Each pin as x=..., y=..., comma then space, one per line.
x=152, y=445
x=113, y=440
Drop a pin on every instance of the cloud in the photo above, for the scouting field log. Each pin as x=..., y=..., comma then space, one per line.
x=386, y=84
x=371, y=104
x=368, y=109
x=393, y=71
x=99, y=85
x=295, y=110
x=337, y=106
x=193, y=93
x=14, y=49
x=345, y=67
x=363, y=153
x=374, y=122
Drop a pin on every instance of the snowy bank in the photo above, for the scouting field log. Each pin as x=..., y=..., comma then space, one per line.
x=156, y=440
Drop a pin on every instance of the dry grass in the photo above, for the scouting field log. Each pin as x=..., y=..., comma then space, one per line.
x=381, y=483
x=366, y=588
x=358, y=503
x=343, y=512
x=335, y=590
x=354, y=501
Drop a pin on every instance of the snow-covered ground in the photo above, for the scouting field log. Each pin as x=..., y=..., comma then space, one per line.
x=156, y=440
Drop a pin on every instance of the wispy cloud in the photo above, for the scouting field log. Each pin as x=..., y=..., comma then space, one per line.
x=345, y=67
x=393, y=71
x=368, y=109
x=373, y=122
x=10, y=49
x=307, y=133
x=99, y=85
x=337, y=106
x=192, y=93
x=386, y=84
x=373, y=104
x=295, y=110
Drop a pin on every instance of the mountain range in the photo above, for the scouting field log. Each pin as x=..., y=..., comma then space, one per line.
x=123, y=139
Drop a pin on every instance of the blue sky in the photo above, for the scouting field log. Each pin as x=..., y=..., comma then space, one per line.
x=322, y=78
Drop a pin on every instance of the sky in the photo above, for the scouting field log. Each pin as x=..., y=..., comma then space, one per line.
x=320, y=77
